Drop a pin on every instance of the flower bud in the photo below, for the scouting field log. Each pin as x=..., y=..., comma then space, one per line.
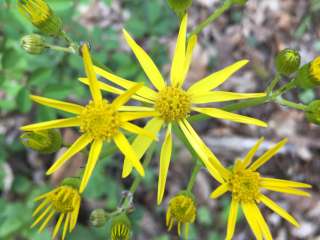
x=181, y=210
x=41, y=16
x=287, y=61
x=46, y=141
x=120, y=227
x=313, y=112
x=33, y=44
x=309, y=75
x=98, y=217
x=180, y=6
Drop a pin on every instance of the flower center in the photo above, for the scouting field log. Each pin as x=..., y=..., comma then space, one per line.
x=182, y=209
x=315, y=69
x=245, y=185
x=100, y=121
x=64, y=199
x=173, y=104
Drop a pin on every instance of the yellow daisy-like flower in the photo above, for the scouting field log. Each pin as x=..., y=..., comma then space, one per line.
x=64, y=200
x=99, y=121
x=173, y=103
x=246, y=185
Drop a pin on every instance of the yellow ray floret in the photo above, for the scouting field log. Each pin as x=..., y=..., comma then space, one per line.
x=99, y=121
x=174, y=103
x=246, y=184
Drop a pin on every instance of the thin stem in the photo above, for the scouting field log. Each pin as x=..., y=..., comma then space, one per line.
x=61, y=49
x=217, y=13
x=274, y=82
x=284, y=102
x=288, y=86
x=193, y=177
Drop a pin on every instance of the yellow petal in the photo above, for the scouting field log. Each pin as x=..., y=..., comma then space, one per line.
x=232, y=219
x=142, y=143
x=191, y=44
x=222, y=189
x=130, y=116
x=268, y=155
x=216, y=79
x=45, y=223
x=287, y=190
x=262, y=223
x=144, y=92
x=43, y=214
x=198, y=148
x=127, y=150
x=76, y=147
x=165, y=157
x=65, y=227
x=177, y=68
x=251, y=218
x=61, y=123
x=135, y=109
x=248, y=158
x=146, y=62
x=221, y=114
x=40, y=207
x=74, y=216
x=125, y=97
x=279, y=210
x=283, y=183
x=64, y=106
x=138, y=130
x=58, y=225
x=93, y=82
x=95, y=151
x=220, y=96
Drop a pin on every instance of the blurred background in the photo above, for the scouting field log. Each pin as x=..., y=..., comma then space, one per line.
x=255, y=32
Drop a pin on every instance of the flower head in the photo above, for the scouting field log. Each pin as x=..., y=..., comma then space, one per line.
x=33, y=44
x=182, y=210
x=174, y=103
x=120, y=227
x=64, y=200
x=41, y=16
x=315, y=70
x=246, y=186
x=99, y=121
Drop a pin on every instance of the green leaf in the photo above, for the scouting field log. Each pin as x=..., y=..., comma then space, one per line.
x=23, y=100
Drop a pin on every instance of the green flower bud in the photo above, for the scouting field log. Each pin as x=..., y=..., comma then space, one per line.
x=41, y=16
x=309, y=75
x=288, y=61
x=98, y=217
x=73, y=182
x=313, y=112
x=180, y=6
x=33, y=44
x=120, y=227
x=47, y=141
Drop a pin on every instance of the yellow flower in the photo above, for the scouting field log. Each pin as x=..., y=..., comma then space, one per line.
x=182, y=210
x=315, y=70
x=246, y=185
x=64, y=200
x=174, y=103
x=99, y=121
x=41, y=16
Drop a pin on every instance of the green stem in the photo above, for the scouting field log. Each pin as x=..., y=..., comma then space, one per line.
x=274, y=82
x=288, y=86
x=193, y=177
x=61, y=49
x=298, y=106
x=217, y=13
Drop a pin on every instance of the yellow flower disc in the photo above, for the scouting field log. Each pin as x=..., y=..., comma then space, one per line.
x=100, y=120
x=173, y=104
x=315, y=69
x=182, y=209
x=245, y=185
x=64, y=199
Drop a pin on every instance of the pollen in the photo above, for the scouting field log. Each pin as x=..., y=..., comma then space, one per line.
x=100, y=120
x=315, y=69
x=173, y=104
x=64, y=199
x=245, y=185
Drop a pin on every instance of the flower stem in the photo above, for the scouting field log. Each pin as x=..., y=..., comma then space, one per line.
x=298, y=106
x=217, y=13
x=61, y=49
x=274, y=82
x=194, y=173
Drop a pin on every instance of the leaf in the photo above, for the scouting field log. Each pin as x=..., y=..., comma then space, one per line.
x=23, y=100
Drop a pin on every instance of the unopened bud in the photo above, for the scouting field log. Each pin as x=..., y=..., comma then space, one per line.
x=180, y=7
x=120, y=227
x=287, y=61
x=98, y=217
x=41, y=16
x=46, y=141
x=33, y=44
x=309, y=75
x=313, y=112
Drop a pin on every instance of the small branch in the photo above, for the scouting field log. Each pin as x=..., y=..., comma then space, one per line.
x=193, y=177
x=283, y=102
